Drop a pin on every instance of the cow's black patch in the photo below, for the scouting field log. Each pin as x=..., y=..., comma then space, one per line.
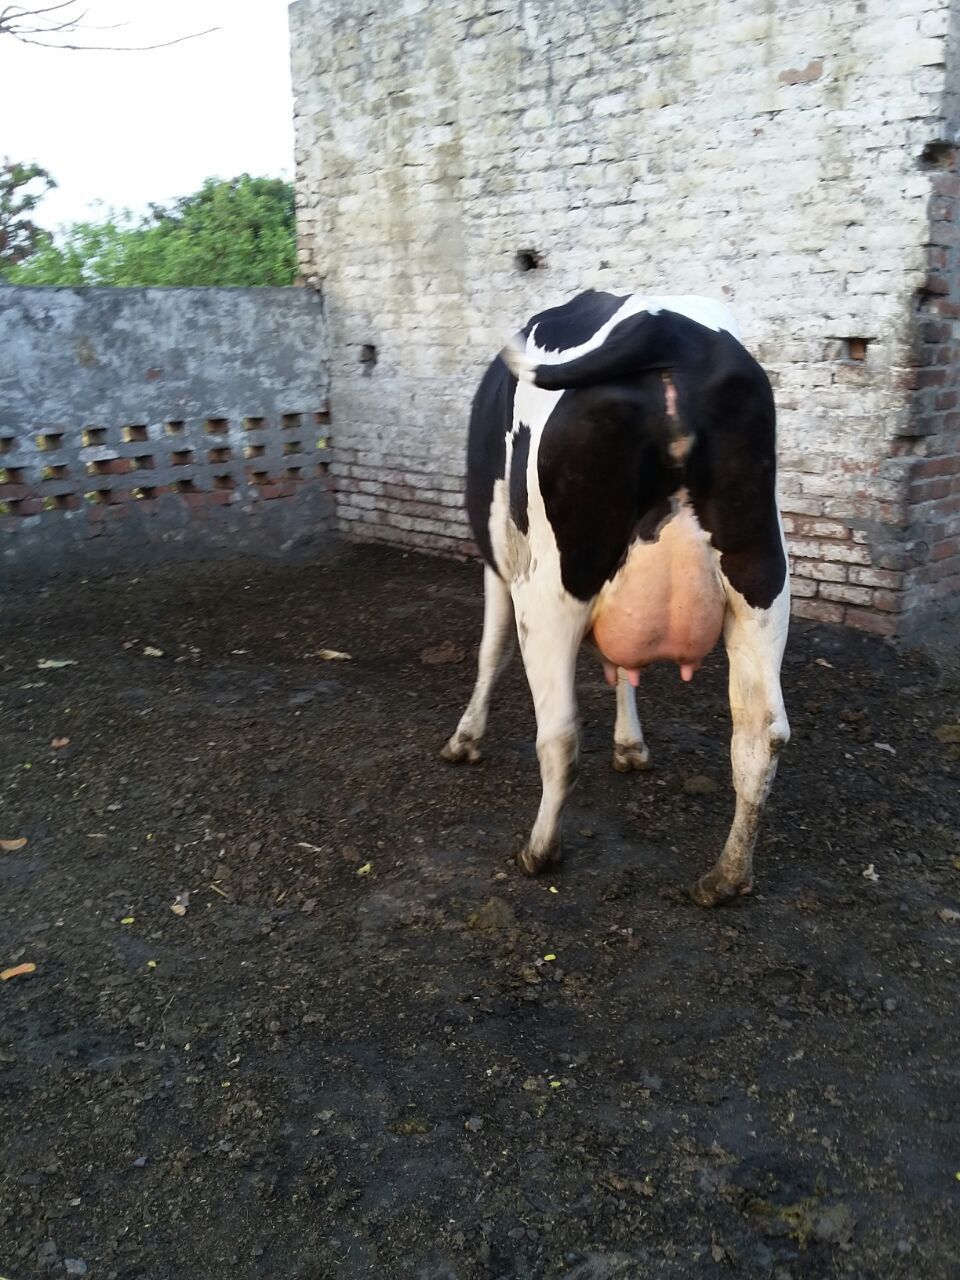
x=649, y=525
x=576, y=321
x=491, y=419
x=604, y=464
x=518, y=477
x=604, y=467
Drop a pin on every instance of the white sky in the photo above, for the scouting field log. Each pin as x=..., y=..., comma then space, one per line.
x=131, y=128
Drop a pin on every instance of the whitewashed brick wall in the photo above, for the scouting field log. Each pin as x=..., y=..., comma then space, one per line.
x=774, y=159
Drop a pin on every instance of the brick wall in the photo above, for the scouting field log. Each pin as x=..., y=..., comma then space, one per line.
x=462, y=163
x=931, y=559
x=154, y=424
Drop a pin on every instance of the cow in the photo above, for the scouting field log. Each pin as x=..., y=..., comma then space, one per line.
x=621, y=489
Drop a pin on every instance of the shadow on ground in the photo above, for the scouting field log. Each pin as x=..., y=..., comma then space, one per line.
x=350, y=1055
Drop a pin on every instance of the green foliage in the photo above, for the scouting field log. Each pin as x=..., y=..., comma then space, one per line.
x=19, y=235
x=239, y=232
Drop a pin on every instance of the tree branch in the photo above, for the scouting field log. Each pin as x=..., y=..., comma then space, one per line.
x=23, y=25
x=116, y=48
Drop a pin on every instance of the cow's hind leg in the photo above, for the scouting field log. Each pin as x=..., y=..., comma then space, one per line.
x=754, y=640
x=496, y=649
x=551, y=629
x=629, y=749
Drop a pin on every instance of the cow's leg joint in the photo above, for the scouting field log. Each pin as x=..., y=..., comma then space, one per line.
x=629, y=749
x=496, y=649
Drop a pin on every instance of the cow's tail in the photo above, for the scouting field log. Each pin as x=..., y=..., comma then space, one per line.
x=523, y=367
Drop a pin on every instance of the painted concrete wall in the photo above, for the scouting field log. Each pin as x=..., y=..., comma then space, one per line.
x=775, y=155
x=150, y=424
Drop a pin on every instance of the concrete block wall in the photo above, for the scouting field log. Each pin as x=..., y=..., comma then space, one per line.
x=462, y=163
x=158, y=424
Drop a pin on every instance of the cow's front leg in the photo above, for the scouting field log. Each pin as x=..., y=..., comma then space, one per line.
x=754, y=640
x=551, y=626
x=629, y=749
x=496, y=650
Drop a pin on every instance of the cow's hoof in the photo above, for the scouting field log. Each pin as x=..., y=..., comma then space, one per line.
x=713, y=889
x=532, y=862
x=628, y=756
x=460, y=750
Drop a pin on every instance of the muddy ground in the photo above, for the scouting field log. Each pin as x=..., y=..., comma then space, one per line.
x=368, y=1046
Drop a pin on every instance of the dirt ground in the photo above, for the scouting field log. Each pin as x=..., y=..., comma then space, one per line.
x=368, y=1046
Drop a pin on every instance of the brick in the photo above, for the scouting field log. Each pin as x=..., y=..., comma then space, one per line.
x=842, y=552
x=819, y=571
x=889, y=578
x=845, y=593
x=889, y=601
x=879, y=624
x=818, y=610
x=810, y=528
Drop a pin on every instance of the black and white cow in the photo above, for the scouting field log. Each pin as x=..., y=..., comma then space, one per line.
x=621, y=486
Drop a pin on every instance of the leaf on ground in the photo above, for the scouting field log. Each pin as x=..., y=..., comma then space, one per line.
x=333, y=655
x=54, y=664
x=870, y=874
x=150, y=652
x=948, y=915
x=439, y=655
x=822, y=662
x=365, y=869
x=18, y=971
x=948, y=734
x=57, y=743
x=11, y=846
x=180, y=904
x=128, y=920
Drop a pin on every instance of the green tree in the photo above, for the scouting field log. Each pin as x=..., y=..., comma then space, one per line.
x=237, y=232
x=22, y=187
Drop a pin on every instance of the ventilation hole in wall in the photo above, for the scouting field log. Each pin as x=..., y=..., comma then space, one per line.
x=322, y=418
x=291, y=420
x=323, y=468
x=59, y=472
x=10, y=508
x=49, y=441
x=174, y=428
x=94, y=435
x=938, y=155
x=6, y=444
x=135, y=432
x=143, y=491
x=59, y=502
x=294, y=473
x=216, y=426
x=143, y=463
x=253, y=424
x=323, y=442
x=99, y=497
x=218, y=455
x=856, y=348
x=185, y=486
x=224, y=482
x=292, y=446
x=181, y=457
x=12, y=475
x=528, y=260
x=368, y=358
x=254, y=450
x=259, y=477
